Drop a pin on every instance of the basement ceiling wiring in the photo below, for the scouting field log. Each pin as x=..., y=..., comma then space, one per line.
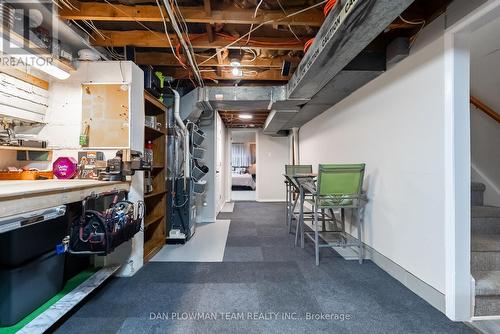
x=164, y=21
x=254, y=16
x=264, y=23
x=178, y=31
x=289, y=26
x=420, y=22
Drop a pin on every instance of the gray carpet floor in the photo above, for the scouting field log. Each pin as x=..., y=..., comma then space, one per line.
x=262, y=276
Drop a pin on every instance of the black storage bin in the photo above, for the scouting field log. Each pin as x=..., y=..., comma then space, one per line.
x=29, y=242
x=75, y=264
x=24, y=289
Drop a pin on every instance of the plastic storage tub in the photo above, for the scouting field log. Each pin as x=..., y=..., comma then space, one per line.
x=198, y=153
x=198, y=137
x=199, y=171
x=25, y=288
x=23, y=244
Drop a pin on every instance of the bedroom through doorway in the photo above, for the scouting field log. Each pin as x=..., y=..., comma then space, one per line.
x=243, y=165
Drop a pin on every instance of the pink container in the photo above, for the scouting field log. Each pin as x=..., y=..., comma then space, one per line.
x=65, y=168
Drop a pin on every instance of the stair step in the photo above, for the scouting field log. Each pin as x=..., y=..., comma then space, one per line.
x=477, y=193
x=477, y=186
x=485, y=242
x=487, y=292
x=481, y=261
x=485, y=212
x=487, y=282
x=487, y=306
x=485, y=219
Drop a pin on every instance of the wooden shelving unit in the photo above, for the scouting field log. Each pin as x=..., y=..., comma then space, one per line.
x=156, y=201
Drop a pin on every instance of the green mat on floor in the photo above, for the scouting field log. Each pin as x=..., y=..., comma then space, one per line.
x=70, y=285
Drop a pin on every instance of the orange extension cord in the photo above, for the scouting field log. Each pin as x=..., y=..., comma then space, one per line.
x=329, y=6
x=326, y=10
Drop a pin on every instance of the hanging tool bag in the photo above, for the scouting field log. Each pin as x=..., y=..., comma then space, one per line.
x=100, y=232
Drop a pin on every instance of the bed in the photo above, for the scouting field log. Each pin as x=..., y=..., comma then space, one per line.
x=242, y=181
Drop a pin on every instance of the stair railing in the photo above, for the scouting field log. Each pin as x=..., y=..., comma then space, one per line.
x=484, y=108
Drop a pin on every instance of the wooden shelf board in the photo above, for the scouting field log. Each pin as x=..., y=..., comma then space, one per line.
x=22, y=148
x=151, y=247
x=152, y=133
x=151, y=221
x=160, y=107
x=154, y=194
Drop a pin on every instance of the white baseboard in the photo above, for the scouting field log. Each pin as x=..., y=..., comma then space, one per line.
x=412, y=282
x=270, y=200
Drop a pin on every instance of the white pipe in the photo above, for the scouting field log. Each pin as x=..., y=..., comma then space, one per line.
x=296, y=157
x=180, y=123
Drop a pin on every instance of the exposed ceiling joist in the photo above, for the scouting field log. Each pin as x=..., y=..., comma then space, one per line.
x=250, y=75
x=98, y=11
x=145, y=38
x=168, y=59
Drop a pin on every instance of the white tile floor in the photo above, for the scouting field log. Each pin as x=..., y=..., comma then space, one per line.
x=206, y=245
x=228, y=207
x=243, y=195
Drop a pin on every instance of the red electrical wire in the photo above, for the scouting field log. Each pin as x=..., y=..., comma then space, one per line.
x=329, y=6
x=308, y=44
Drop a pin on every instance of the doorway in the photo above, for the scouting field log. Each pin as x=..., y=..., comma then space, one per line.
x=243, y=160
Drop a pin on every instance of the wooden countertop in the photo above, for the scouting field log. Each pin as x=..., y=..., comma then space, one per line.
x=23, y=196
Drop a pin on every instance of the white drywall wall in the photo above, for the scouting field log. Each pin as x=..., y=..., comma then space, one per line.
x=272, y=156
x=221, y=168
x=485, y=136
x=485, y=132
x=395, y=124
x=206, y=213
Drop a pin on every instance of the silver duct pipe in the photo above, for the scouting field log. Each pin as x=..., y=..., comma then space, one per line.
x=295, y=134
x=180, y=123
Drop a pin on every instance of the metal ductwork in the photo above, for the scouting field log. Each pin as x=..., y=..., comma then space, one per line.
x=336, y=65
x=341, y=39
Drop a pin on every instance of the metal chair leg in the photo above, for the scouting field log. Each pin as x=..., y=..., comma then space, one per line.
x=316, y=234
x=302, y=200
x=292, y=214
x=360, y=244
x=297, y=227
x=287, y=197
x=323, y=221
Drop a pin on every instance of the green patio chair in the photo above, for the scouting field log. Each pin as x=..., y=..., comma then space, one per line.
x=338, y=187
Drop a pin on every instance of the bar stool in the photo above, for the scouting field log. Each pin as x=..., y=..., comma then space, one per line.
x=338, y=187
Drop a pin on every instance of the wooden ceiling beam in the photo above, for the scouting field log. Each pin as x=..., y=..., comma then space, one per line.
x=98, y=11
x=168, y=59
x=145, y=38
x=270, y=75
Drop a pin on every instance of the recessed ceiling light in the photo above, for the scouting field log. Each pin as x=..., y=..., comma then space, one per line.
x=237, y=72
x=246, y=116
x=235, y=62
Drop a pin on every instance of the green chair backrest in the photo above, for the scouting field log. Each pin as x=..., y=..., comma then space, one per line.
x=340, y=179
x=292, y=170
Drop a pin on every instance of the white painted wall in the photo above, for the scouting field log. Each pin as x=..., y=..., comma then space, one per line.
x=207, y=212
x=485, y=136
x=221, y=168
x=273, y=153
x=395, y=124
